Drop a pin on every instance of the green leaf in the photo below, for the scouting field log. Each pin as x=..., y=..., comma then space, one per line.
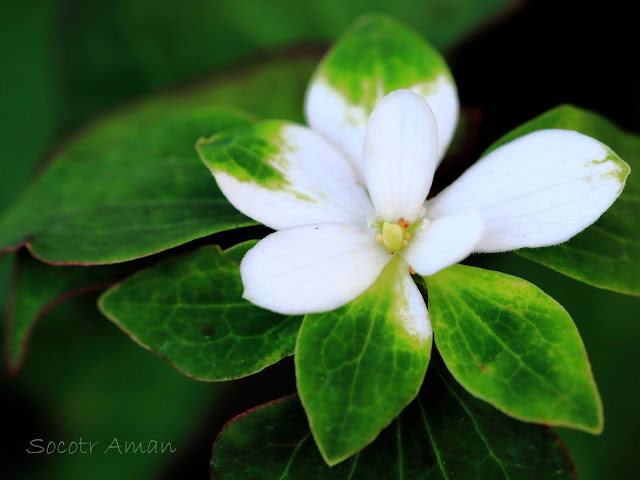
x=379, y=53
x=509, y=343
x=358, y=366
x=374, y=57
x=271, y=90
x=132, y=185
x=607, y=254
x=444, y=435
x=38, y=287
x=189, y=310
x=253, y=153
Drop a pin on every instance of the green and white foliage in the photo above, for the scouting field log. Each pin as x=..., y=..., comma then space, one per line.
x=347, y=198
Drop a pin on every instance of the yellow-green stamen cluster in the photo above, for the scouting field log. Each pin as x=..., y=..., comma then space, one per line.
x=395, y=236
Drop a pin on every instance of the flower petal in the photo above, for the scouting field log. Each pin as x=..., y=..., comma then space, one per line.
x=409, y=306
x=283, y=175
x=538, y=190
x=400, y=155
x=376, y=56
x=447, y=240
x=312, y=268
x=442, y=96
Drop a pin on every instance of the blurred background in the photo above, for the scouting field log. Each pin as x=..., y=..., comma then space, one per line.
x=65, y=62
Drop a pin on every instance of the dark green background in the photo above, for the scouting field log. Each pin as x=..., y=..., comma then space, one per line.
x=66, y=61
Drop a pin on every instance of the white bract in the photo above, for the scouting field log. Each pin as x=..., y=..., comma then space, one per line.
x=338, y=227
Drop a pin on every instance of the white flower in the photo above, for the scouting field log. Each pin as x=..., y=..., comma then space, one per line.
x=340, y=221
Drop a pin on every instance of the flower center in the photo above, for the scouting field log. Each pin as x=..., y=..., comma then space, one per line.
x=395, y=236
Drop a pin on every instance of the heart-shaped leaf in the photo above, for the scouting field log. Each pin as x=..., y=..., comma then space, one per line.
x=358, y=366
x=189, y=310
x=509, y=343
x=445, y=434
x=607, y=254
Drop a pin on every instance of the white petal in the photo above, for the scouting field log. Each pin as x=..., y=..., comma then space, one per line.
x=442, y=96
x=409, y=306
x=374, y=57
x=443, y=242
x=312, y=268
x=344, y=124
x=538, y=190
x=400, y=155
x=317, y=183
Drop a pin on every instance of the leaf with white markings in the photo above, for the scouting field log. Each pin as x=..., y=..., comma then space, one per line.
x=376, y=56
x=358, y=366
